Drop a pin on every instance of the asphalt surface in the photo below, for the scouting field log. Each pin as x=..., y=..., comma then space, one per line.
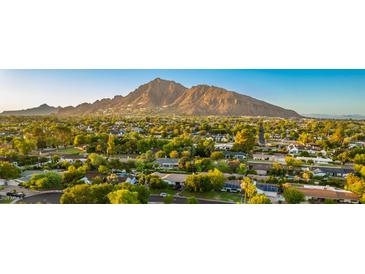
x=54, y=198
x=182, y=200
x=43, y=198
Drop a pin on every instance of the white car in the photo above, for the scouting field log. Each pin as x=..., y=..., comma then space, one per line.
x=163, y=194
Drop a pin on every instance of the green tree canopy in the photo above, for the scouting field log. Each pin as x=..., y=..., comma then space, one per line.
x=45, y=181
x=245, y=140
x=293, y=196
x=123, y=196
x=9, y=170
x=259, y=199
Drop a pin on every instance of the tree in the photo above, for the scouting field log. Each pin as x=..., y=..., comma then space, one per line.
x=216, y=155
x=153, y=181
x=86, y=194
x=9, y=170
x=248, y=188
x=62, y=135
x=55, y=159
x=292, y=162
x=216, y=179
x=355, y=184
x=96, y=160
x=111, y=145
x=23, y=146
x=160, y=154
x=245, y=140
x=304, y=138
x=293, y=196
x=307, y=175
x=100, y=192
x=242, y=169
x=123, y=196
x=103, y=169
x=78, y=194
x=359, y=159
x=44, y=181
x=338, y=136
x=204, y=147
x=362, y=171
x=80, y=140
x=213, y=180
x=143, y=192
x=259, y=199
x=174, y=154
x=113, y=178
x=186, y=154
x=73, y=174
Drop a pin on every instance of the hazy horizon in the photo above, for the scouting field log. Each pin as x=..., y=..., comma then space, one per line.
x=325, y=92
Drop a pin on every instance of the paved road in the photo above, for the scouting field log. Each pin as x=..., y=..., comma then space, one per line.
x=44, y=198
x=54, y=198
x=182, y=200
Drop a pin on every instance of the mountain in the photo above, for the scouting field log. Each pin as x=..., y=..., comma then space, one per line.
x=41, y=110
x=336, y=117
x=168, y=97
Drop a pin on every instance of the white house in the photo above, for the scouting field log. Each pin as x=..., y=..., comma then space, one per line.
x=225, y=146
x=85, y=180
x=168, y=163
x=292, y=149
x=316, y=160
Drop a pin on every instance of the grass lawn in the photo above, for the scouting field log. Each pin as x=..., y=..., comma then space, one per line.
x=214, y=195
x=5, y=201
x=70, y=150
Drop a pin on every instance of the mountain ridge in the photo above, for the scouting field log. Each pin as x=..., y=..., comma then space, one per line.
x=43, y=109
x=169, y=97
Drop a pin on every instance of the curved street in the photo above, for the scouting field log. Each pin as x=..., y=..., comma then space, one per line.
x=54, y=198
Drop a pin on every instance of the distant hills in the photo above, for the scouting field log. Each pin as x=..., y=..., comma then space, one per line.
x=168, y=97
x=41, y=110
x=336, y=117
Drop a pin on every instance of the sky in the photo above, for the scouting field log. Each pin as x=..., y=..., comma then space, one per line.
x=334, y=92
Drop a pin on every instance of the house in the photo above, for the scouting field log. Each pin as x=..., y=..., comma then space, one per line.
x=137, y=129
x=316, y=160
x=234, y=155
x=132, y=180
x=225, y=146
x=117, y=132
x=332, y=171
x=356, y=144
x=220, y=138
x=276, y=157
x=73, y=158
x=260, y=168
x=292, y=149
x=85, y=180
x=174, y=179
x=319, y=194
x=269, y=190
x=168, y=163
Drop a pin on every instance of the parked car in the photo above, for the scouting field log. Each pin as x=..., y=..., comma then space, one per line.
x=15, y=194
x=163, y=194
